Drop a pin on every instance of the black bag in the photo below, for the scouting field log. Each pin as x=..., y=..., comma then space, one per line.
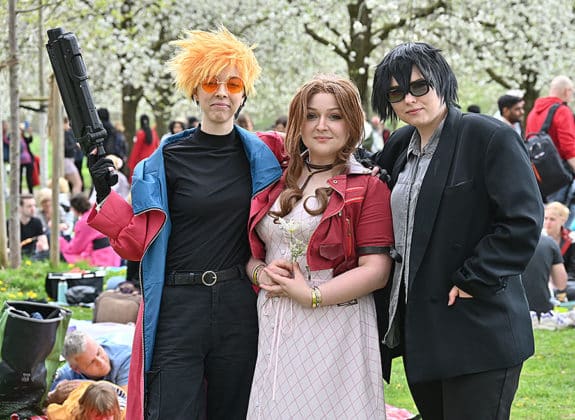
x=91, y=278
x=31, y=340
x=81, y=294
x=552, y=172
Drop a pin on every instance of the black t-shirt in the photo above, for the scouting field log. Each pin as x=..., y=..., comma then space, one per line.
x=536, y=275
x=33, y=229
x=209, y=193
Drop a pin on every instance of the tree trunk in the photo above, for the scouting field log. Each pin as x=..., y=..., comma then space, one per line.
x=359, y=77
x=57, y=169
x=361, y=46
x=14, y=233
x=130, y=98
x=42, y=119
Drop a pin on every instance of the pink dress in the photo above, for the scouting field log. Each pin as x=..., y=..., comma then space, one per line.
x=81, y=247
x=314, y=363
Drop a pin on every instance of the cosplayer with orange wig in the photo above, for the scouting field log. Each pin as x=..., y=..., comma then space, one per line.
x=196, y=335
x=205, y=54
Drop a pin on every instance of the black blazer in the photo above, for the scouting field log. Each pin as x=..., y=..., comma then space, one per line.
x=477, y=222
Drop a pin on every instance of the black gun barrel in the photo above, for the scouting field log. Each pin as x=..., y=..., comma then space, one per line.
x=72, y=79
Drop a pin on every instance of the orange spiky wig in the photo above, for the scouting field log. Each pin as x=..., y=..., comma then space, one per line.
x=204, y=54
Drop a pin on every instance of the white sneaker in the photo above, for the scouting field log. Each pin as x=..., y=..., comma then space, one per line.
x=546, y=322
x=554, y=321
x=562, y=320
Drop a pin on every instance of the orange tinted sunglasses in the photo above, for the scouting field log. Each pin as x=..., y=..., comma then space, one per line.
x=233, y=84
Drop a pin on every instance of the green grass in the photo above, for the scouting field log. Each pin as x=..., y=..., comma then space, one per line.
x=28, y=283
x=545, y=387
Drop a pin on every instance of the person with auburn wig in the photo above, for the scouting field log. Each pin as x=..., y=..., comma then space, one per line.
x=320, y=239
x=196, y=336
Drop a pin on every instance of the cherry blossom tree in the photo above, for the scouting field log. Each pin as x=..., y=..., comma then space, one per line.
x=519, y=44
x=356, y=29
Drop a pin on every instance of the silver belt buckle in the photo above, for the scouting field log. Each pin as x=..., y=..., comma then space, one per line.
x=211, y=273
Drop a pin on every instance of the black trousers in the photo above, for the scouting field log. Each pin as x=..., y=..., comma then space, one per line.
x=205, y=353
x=29, y=167
x=479, y=396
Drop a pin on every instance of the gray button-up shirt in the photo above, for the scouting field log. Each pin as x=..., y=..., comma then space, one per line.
x=403, y=202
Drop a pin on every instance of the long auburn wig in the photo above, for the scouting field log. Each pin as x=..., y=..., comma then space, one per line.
x=349, y=103
x=204, y=54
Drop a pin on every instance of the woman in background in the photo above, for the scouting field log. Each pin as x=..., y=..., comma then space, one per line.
x=145, y=143
x=87, y=243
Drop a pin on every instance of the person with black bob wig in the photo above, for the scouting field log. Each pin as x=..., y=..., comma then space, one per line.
x=467, y=215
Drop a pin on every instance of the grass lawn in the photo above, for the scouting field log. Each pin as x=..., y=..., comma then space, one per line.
x=546, y=385
x=545, y=390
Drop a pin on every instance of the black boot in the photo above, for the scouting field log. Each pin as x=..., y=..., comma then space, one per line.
x=31, y=339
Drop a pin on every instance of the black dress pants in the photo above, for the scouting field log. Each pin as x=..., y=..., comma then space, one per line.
x=29, y=168
x=478, y=396
x=204, y=354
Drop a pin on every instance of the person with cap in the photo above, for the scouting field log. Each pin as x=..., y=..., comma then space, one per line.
x=196, y=336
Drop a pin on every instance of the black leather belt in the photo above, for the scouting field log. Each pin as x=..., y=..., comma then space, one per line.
x=205, y=278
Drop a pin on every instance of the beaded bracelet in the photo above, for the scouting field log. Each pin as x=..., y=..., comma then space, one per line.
x=256, y=272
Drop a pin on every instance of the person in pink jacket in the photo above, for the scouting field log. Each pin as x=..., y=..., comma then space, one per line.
x=87, y=243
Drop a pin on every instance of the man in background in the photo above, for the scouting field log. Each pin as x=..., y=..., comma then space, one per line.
x=88, y=360
x=511, y=111
x=33, y=239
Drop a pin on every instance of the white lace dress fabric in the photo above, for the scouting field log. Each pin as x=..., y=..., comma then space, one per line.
x=314, y=363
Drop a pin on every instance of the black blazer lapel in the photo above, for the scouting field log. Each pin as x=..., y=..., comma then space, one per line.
x=432, y=190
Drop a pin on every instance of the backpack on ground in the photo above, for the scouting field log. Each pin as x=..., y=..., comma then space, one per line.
x=552, y=172
x=117, y=306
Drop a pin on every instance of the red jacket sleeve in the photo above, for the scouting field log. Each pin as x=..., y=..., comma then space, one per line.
x=375, y=227
x=275, y=142
x=129, y=234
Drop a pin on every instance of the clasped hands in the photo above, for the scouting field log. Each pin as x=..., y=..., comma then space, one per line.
x=284, y=278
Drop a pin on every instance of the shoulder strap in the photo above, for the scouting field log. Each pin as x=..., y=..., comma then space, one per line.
x=549, y=118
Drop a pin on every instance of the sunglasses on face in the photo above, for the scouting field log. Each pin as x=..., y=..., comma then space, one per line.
x=233, y=84
x=417, y=88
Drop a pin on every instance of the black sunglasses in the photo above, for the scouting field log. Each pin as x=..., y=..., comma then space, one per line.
x=417, y=88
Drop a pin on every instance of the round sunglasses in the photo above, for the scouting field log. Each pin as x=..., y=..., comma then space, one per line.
x=233, y=84
x=417, y=88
